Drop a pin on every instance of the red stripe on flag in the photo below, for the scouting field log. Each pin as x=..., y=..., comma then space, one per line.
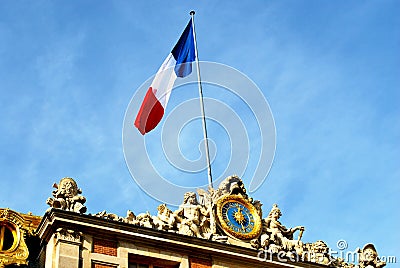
x=150, y=113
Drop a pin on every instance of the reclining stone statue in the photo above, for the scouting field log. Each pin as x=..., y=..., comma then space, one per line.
x=277, y=237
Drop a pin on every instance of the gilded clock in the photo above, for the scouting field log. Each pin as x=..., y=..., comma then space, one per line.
x=238, y=217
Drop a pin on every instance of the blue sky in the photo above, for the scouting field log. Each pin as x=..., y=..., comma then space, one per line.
x=329, y=70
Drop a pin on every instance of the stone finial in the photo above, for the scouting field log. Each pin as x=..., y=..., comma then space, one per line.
x=67, y=196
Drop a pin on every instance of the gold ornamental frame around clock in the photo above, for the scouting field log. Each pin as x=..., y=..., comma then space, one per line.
x=16, y=252
x=239, y=199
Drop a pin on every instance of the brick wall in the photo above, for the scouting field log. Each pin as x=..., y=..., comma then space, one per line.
x=199, y=263
x=106, y=247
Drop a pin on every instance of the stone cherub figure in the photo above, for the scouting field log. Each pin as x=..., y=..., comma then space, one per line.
x=277, y=237
x=368, y=257
x=193, y=218
x=67, y=196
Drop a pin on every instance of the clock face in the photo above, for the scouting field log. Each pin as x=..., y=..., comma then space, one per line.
x=238, y=217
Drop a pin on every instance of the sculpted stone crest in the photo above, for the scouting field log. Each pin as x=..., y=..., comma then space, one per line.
x=67, y=196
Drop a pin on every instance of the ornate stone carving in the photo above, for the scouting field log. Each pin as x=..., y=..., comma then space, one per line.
x=318, y=252
x=277, y=237
x=368, y=257
x=145, y=220
x=165, y=220
x=67, y=196
x=68, y=235
x=230, y=203
x=230, y=186
x=193, y=218
x=131, y=218
x=109, y=216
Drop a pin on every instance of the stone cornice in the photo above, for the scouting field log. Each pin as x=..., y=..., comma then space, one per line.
x=91, y=225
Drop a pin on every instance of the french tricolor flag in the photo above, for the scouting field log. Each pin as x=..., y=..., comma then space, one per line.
x=177, y=64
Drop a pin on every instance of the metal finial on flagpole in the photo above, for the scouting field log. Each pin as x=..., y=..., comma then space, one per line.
x=210, y=183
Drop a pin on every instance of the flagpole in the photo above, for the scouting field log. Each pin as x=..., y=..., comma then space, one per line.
x=210, y=183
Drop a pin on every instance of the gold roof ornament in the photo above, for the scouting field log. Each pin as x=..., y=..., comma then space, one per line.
x=14, y=227
x=238, y=217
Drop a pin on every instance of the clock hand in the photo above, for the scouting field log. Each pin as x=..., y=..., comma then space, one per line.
x=241, y=222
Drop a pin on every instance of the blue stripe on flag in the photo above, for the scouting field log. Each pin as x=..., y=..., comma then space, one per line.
x=184, y=53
